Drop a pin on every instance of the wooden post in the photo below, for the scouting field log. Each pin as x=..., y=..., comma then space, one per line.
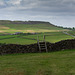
x=38, y=43
x=45, y=43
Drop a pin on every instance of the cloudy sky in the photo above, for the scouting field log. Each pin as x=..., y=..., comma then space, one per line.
x=58, y=12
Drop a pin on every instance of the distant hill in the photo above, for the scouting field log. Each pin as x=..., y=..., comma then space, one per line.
x=7, y=26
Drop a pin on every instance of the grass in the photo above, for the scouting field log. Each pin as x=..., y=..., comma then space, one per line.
x=9, y=27
x=55, y=63
x=28, y=39
x=55, y=33
x=72, y=32
x=27, y=30
x=17, y=41
x=31, y=26
x=51, y=36
x=12, y=28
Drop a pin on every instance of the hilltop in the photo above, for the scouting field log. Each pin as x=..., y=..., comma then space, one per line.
x=7, y=26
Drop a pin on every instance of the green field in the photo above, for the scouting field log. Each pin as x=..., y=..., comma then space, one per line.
x=9, y=27
x=55, y=63
x=30, y=39
x=45, y=28
x=72, y=32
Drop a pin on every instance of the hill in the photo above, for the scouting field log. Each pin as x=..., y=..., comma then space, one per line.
x=7, y=26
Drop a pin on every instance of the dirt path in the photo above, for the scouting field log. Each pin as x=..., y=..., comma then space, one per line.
x=69, y=34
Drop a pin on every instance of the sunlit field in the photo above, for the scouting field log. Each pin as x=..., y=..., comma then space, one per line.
x=30, y=39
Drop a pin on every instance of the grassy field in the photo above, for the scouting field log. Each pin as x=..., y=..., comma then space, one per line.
x=9, y=27
x=12, y=28
x=53, y=33
x=29, y=39
x=72, y=32
x=54, y=63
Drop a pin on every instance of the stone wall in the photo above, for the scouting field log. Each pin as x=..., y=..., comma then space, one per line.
x=33, y=48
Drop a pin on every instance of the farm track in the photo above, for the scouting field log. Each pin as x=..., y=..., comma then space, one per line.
x=69, y=34
x=72, y=33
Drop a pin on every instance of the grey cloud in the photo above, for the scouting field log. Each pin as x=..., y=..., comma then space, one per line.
x=2, y=4
x=43, y=5
x=48, y=5
x=40, y=8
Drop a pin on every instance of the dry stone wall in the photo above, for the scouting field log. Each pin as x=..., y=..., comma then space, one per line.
x=33, y=48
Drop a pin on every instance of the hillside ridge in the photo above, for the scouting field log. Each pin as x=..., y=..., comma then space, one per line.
x=23, y=22
x=7, y=26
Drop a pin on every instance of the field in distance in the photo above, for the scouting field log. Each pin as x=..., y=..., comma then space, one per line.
x=28, y=27
x=30, y=39
x=44, y=28
x=54, y=63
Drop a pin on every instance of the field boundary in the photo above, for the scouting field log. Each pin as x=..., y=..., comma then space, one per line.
x=33, y=48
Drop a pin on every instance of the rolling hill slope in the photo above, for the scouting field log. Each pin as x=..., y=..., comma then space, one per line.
x=7, y=26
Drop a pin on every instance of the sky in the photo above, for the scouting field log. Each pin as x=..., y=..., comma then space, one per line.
x=57, y=12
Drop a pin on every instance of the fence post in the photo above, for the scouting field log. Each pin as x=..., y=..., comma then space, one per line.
x=38, y=43
x=45, y=43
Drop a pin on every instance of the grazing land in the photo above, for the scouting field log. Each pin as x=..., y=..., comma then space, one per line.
x=72, y=32
x=27, y=26
x=54, y=63
x=53, y=33
x=30, y=39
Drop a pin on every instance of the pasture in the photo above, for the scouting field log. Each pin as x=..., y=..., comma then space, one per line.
x=54, y=63
x=30, y=39
x=6, y=27
x=45, y=28
x=72, y=32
